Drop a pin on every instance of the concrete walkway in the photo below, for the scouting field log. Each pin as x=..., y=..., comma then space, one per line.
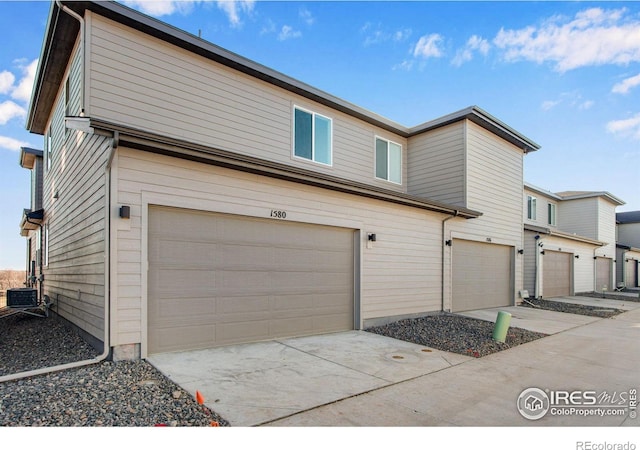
x=362, y=379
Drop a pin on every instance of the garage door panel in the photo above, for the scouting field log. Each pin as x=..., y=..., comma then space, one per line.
x=556, y=273
x=246, y=331
x=176, y=338
x=482, y=275
x=262, y=279
x=168, y=308
x=603, y=274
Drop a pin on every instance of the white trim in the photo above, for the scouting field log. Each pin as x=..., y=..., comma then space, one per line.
x=375, y=159
x=293, y=136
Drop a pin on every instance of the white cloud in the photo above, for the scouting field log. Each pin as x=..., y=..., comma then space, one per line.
x=306, y=16
x=404, y=65
x=548, y=104
x=586, y=104
x=626, y=127
x=233, y=9
x=159, y=8
x=11, y=144
x=6, y=82
x=572, y=99
x=626, y=85
x=593, y=37
x=474, y=44
x=23, y=90
x=288, y=32
x=10, y=110
x=379, y=36
x=428, y=46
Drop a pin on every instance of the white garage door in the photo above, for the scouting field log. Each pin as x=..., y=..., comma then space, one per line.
x=631, y=275
x=603, y=274
x=556, y=274
x=482, y=275
x=219, y=279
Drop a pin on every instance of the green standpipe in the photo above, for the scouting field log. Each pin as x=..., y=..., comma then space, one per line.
x=502, y=326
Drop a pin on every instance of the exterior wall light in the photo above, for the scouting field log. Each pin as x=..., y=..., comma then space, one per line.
x=125, y=212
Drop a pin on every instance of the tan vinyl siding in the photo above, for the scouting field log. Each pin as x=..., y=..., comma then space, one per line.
x=607, y=227
x=436, y=164
x=494, y=187
x=579, y=217
x=149, y=84
x=629, y=234
x=399, y=274
x=75, y=275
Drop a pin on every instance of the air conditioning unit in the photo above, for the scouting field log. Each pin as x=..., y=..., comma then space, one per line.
x=22, y=298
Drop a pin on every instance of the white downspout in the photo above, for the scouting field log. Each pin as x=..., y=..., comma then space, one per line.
x=455, y=214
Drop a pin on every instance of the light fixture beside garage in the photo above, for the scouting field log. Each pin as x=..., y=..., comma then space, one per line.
x=371, y=237
x=125, y=212
x=521, y=251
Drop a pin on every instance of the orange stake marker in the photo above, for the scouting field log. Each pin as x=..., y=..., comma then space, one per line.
x=199, y=398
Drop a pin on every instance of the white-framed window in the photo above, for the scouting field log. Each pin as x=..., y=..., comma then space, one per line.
x=313, y=136
x=388, y=160
x=551, y=208
x=531, y=207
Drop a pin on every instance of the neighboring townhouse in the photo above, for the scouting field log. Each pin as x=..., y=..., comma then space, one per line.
x=593, y=214
x=195, y=198
x=628, y=249
x=569, y=246
x=31, y=222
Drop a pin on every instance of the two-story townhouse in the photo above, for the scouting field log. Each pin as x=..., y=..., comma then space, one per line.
x=556, y=262
x=593, y=214
x=628, y=249
x=569, y=241
x=31, y=221
x=195, y=198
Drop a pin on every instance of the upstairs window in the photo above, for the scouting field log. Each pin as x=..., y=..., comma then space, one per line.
x=312, y=136
x=552, y=214
x=531, y=207
x=388, y=160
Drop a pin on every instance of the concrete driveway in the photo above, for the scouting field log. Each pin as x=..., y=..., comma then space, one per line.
x=363, y=379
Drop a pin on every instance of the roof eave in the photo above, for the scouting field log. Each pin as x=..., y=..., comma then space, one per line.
x=485, y=120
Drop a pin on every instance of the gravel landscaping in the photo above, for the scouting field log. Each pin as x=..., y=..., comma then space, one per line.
x=572, y=308
x=454, y=333
x=612, y=296
x=110, y=394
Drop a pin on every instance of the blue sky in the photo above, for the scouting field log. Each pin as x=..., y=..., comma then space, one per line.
x=565, y=74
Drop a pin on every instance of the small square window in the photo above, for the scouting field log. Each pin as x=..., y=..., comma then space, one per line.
x=312, y=136
x=388, y=160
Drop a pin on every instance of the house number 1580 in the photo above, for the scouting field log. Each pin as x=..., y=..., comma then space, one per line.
x=278, y=214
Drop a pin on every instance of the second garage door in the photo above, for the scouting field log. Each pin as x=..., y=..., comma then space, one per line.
x=556, y=274
x=219, y=279
x=603, y=274
x=482, y=275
